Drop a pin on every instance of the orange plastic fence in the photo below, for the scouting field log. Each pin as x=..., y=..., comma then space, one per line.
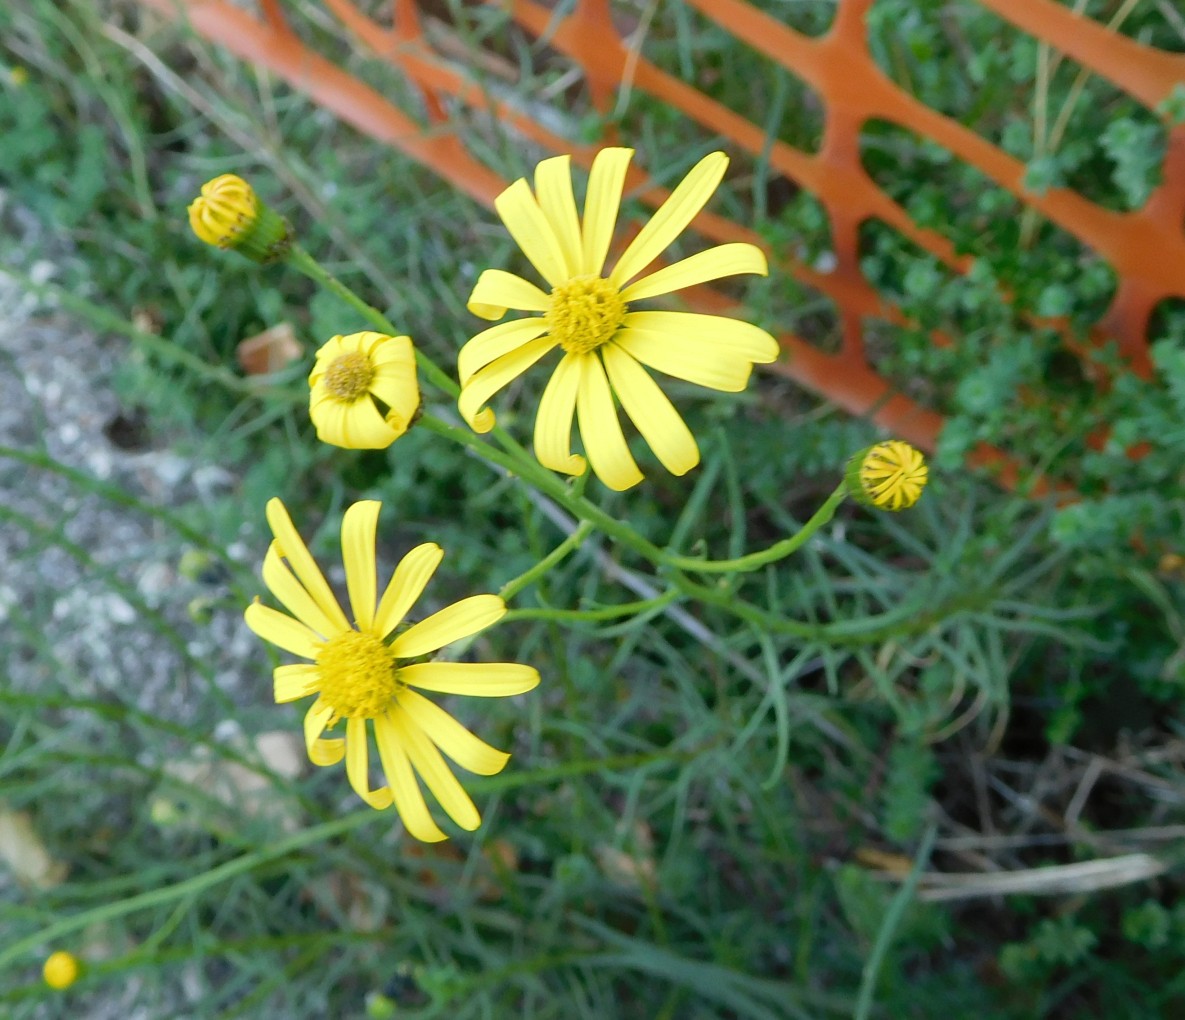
x=1145, y=247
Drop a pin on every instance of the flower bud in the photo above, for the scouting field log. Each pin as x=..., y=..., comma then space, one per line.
x=889, y=475
x=61, y=970
x=228, y=214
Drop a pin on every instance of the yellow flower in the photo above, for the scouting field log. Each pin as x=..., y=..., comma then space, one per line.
x=363, y=391
x=362, y=677
x=228, y=214
x=889, y=475
x=588, y=315
x=61, y=970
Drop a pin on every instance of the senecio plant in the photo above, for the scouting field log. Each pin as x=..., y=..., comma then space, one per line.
x=366, y=667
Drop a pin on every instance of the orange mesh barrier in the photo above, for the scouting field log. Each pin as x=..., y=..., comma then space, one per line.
x=1146, y=247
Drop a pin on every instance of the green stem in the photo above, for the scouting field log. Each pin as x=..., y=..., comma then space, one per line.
x=889, y=926
x=301, y=260
x=573, y=541
x=600, y=613
x=859, y=631
x=550, y=485
x=777, y=551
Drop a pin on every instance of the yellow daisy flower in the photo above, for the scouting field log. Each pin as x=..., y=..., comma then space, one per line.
x=587, y=314
x=363, y=393
x=889, y=476
x=362, y=677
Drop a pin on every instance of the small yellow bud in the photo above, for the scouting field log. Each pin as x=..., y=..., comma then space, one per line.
x=228, y=214
x=889, y=475
x=61, y=970
x=19, y=76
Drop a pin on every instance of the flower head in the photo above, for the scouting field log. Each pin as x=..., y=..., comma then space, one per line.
x=588, y=314
x=228, y=214
x=889, y=475
x=61, y=969
x=366, y=680
x=363, y=391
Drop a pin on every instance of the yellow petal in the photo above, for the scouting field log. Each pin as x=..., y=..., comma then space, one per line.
x=437, y=776
x=601, y=431
x=723, y=260
x=394, y=382
x=670, y=219
x=729, y=336
x=321, y=752
x=496, y=291
x=296, y=681
x=326, y=354
x=553, y=187
x=553, y=423
x=358, y=766
x=291, y=593
x=293, y=549
x=409, y=801
x=467, y=750
x=406, y=585
x=651, y=411
x=354, y=426
x=601, y=204
x=686, y=358
x=282, y=631
x=450, y=624
x=473, y=679
x=358, y=552
x=392, y=350
x=496, y=342
x=484, y=384
x=359, y=343
x=396, y=388
x=530, y=229
x=319, y=394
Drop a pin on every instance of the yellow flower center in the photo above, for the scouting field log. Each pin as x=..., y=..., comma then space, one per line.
x=359, y=676
x=585, y=312
x=349, y=376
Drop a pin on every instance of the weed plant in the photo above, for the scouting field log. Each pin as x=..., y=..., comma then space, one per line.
x=700, y=812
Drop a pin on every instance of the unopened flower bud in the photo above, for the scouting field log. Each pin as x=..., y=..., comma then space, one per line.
x=61, y=970
x=228, y=214
x=889, y=475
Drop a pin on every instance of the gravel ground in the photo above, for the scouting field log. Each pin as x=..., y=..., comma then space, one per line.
x=57, y=402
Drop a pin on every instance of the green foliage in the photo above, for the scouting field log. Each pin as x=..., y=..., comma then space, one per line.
x=1055, y=943
x=1149, y=925
x=1082, y=419
x=912, y=769
x=865, y=900
x=673, y=836
x=1172, y=107
x=1134, y=149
